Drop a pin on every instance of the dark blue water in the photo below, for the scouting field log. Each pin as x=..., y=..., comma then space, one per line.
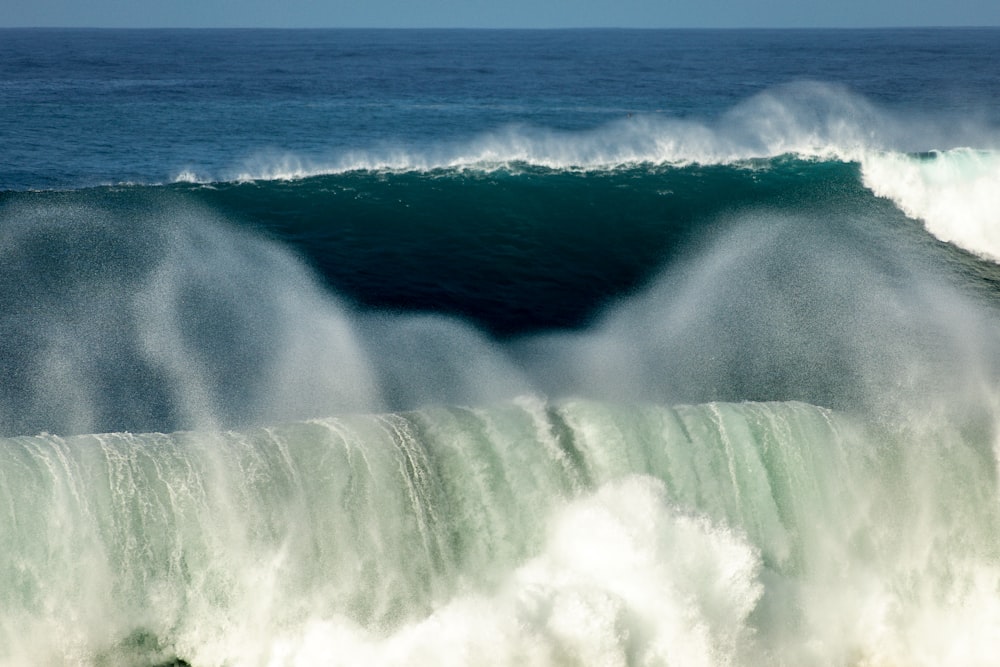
x=90, y=107
x=558, y=347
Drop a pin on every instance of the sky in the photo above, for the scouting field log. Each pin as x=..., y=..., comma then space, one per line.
x=498, y=13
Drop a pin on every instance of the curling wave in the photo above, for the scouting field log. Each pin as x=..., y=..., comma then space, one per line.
x=955, y=193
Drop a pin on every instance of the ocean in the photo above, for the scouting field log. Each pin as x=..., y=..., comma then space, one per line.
x=582, y=347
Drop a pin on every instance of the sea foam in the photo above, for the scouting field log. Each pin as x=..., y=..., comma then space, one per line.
x=956, y=193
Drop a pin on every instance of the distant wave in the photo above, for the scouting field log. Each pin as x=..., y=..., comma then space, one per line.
x=806, y=120
x=955, y=193
x=942, y=172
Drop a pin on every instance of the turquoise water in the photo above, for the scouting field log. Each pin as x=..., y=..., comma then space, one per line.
x=526, y=532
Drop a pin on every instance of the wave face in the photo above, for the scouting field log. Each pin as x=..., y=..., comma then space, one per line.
x=525, y=533
x=543, y=348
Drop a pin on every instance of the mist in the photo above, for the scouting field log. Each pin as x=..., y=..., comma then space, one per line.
x=157, y=315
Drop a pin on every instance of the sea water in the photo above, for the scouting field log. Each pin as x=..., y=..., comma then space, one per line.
x=591, y=347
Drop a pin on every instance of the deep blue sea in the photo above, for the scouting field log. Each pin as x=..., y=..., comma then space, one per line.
x=465, y=347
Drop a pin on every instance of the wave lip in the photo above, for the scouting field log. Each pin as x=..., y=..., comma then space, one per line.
x=956, y=193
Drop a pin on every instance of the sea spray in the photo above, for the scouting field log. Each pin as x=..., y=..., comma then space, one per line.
x=782, y=307
x=141, y=311
x=152, y=309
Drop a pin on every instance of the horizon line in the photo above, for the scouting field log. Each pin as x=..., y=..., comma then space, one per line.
x=507, y=28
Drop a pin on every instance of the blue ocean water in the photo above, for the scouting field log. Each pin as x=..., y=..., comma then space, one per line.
x=600, y=347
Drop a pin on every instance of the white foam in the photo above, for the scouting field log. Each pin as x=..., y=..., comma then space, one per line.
x=268, y=553
x=623, y=579
x=642, y=140
x=626, y=578
x=955, y=193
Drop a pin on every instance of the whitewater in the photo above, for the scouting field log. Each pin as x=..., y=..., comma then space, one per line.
x=525, y=533
x=494, y=358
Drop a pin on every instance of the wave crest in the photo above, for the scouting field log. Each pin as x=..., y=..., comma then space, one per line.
x=805, y=119
x=956, y=194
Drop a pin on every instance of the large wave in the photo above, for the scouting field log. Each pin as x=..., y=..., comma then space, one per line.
x=941, y=170
x=523, y=533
